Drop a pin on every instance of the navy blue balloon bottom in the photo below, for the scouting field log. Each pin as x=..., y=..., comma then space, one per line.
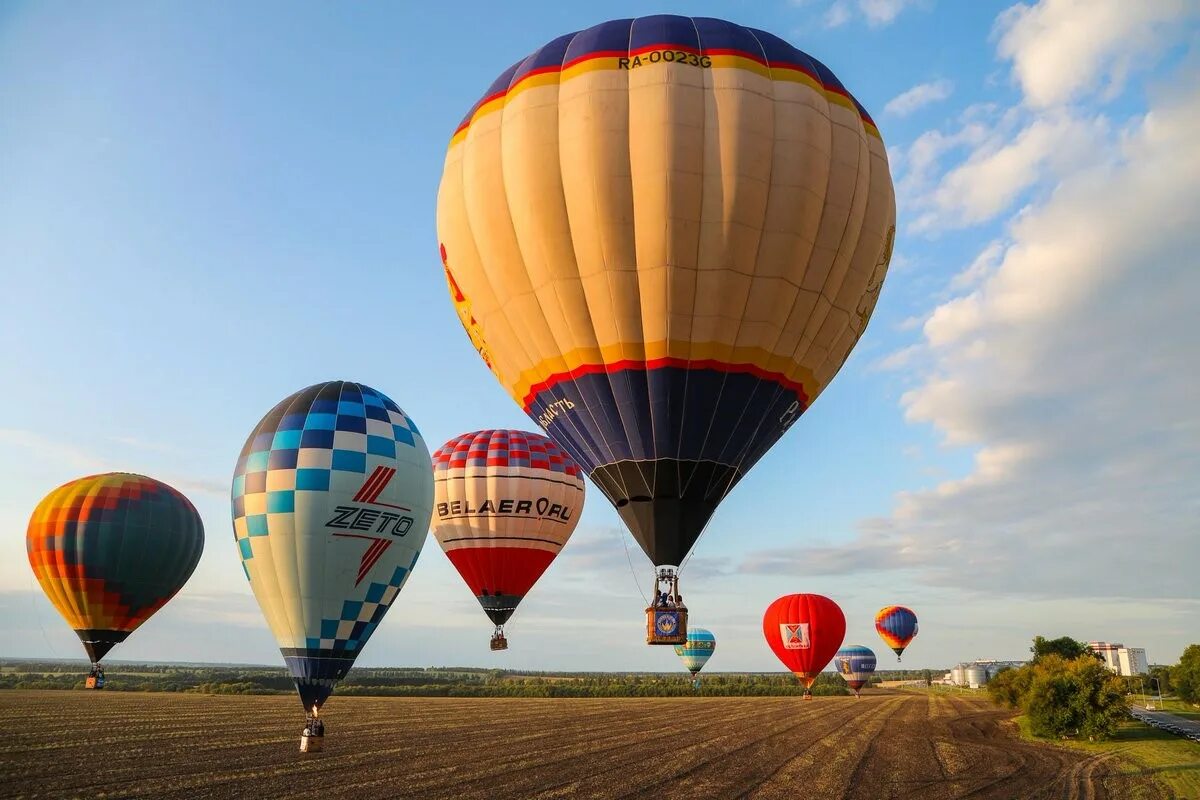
x=317, y=671
x=666, y=444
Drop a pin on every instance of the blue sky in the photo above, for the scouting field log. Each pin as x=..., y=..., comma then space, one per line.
x=206, y=207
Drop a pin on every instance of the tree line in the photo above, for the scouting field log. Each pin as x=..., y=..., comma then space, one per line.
x=419, y=682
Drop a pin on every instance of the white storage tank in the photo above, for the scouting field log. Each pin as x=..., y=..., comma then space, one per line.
x=959, y=675
x=976, y=675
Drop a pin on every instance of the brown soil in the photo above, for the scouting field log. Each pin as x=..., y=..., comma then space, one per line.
x=911, y=746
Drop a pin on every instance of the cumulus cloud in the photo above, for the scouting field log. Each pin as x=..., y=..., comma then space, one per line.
x=877, y=13
x=1069, y=365
x=917, y=97
x=1063, y=48
x=838, y=14
x=1001, y=168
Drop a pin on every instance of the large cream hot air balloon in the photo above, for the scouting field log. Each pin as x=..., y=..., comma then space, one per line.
x=665, y=235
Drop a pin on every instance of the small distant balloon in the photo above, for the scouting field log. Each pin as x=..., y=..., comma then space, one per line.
x=696, y=652
x=804, y=631
x=897, y=626
x=332, y=495
x=855, y=664
x=110, y=550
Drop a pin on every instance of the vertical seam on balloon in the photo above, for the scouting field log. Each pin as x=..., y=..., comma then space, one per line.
x=612, y=458
x=485, y=276
x=90, y=496
x=691, y=349
x=860, y=180
x=778, y=390
x=565, y=419
x=826, y=283
x=300, y=640
x=736, y=465
x=800, y=291
x=877, y=246
x=725, y=377
x=63, y=600
x=622, y=340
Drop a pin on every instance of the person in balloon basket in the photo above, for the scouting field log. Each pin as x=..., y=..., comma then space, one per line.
x=314, y=726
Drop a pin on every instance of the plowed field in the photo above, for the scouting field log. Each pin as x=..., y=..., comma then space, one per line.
x=910, y=746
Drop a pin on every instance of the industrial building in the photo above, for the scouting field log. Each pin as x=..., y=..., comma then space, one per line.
x=1121, y=659
x=975, y=674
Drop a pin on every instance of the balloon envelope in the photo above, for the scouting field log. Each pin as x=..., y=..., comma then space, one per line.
x=331, y=501
x=110, y=550
x=897, y=626
x=855, y=664
x=804, y=631
x=505, y=504
x=664, y=236
x=698, y=650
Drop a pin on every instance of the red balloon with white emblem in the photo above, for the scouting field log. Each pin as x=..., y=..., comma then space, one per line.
x=805, y=632
x=505, y=504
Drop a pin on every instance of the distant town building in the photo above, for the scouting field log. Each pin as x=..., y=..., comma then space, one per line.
x=1121, y=659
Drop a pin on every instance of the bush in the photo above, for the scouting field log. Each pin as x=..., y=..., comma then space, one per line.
x=1061, y=697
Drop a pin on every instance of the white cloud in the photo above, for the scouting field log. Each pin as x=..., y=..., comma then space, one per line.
x=918, y=96
x=882, y=12
x=1063, y=48
x=877, y=13
x=898, y=359
x=1070, y=365
x=838, y=14
x=983, y=265
x=1000, y=169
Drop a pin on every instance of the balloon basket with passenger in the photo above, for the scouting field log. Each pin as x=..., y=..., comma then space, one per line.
x=95, y=678
x=312, y=738
x=666, y=618
x=499, y=641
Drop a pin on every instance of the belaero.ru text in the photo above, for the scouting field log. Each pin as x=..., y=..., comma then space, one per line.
x=541, y=507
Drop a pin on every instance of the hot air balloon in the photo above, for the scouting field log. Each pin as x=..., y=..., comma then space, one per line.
x=804, y=631
x=897, y=627
x=110, y=550
x=332, y=496
x=664, y=236
x=855, y=664
x=506, y=503
x=696, y=652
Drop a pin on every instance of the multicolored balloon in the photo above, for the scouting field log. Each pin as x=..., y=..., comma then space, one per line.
x=696, y=652
x=897, y=627
x=804, y=631
x=110, y=550
x=856, y=664
x=506, y=502
x=332, y=496
x=664, y=236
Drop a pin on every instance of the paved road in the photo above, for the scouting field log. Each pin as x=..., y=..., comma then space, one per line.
x=1191, y=726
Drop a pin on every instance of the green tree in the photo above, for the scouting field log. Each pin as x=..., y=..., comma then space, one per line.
x=1008, y=687
x=1064, y=647
x=1073, y=697
x=1185, y=676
